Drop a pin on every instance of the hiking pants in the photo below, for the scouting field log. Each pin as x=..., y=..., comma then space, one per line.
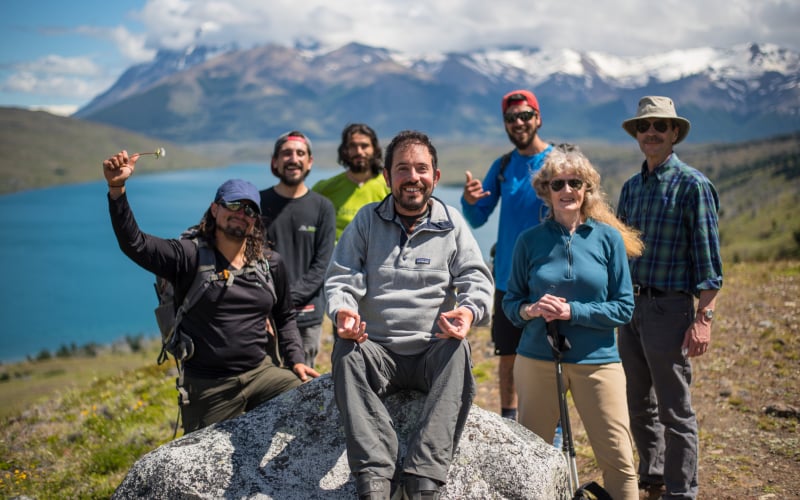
x=598, y=392
x=311, y=336
x=663, y=422
x=213, y=400
x=365, y=373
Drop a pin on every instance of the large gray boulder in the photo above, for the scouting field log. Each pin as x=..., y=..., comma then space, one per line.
x=293, y=447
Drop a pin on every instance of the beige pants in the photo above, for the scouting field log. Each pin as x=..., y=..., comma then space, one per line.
x=599, y=395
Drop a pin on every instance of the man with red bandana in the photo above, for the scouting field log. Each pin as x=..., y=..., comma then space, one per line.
x=301, y=225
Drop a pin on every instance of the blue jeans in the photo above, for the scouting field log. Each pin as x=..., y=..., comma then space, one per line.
x=663, y=423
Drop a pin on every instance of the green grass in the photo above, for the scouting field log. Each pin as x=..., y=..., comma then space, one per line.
x=24, y=383
x=82, y=440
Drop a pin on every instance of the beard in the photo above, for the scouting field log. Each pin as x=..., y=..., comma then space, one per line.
x=292, y=181
x=359, y=165
x=415, y=205
x=234, y=232
x=526, y=140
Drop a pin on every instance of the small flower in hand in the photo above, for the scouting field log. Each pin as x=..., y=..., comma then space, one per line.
x=158, y=153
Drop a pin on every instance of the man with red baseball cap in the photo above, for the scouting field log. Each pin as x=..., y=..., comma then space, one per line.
x=509, y=178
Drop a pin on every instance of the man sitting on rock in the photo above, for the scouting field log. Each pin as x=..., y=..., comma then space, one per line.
x=406, y=283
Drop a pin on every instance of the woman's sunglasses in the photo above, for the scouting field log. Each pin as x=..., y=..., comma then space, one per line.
x=235, y=206
x=643, y=126
x=558, y=184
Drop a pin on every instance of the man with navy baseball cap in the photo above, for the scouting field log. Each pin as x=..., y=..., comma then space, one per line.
x=229, y=369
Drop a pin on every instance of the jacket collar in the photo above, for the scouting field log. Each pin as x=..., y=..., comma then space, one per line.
x=439, y=220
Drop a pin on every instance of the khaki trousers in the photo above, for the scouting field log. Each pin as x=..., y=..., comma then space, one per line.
x=599, y=395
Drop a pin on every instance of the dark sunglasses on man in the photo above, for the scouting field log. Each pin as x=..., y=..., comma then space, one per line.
x=235, y=206
x=522, y=115
x=661, y=126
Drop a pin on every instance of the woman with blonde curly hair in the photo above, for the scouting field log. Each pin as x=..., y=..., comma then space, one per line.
x=573, y=269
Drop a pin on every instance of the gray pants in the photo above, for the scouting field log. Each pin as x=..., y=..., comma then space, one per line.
x=365, y=373
x=663, y=423
x=311, y=340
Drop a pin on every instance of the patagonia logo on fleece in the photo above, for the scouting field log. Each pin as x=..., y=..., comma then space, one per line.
x=422, y=261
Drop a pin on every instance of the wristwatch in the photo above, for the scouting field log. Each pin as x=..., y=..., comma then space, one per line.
x=707, y=313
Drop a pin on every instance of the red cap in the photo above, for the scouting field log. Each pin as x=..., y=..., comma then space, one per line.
x=516, y=96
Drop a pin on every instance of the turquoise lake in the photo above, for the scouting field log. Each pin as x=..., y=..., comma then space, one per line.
x=66, y=281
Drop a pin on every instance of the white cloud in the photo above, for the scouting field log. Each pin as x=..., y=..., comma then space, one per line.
x=54, y=85
x=622, y=27
x=130, y=45
x=55, y=109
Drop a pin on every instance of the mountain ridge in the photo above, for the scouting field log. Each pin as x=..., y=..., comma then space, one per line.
x=748, y=91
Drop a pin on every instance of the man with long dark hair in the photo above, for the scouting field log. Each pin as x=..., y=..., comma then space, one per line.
x=362, y=183
x=229, y=371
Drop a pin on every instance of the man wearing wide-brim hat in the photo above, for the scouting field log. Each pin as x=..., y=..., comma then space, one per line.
x=676, y=209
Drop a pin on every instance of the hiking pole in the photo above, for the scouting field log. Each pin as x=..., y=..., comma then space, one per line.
x=558, y=345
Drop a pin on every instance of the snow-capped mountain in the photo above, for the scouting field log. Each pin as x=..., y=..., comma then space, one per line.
x=743, y=92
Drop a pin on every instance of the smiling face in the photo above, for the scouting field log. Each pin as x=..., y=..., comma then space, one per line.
x=655, y=145
x=235, y=225
x=521, y=132
x=412, y=178
x=569, y=199
x=292, y=162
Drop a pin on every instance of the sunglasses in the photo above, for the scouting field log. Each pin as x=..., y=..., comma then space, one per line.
x=643, y=126
x=522, y=115
x=235, y=206
x=558, y=184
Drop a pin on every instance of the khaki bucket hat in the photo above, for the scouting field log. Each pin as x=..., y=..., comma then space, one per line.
x=657, y=107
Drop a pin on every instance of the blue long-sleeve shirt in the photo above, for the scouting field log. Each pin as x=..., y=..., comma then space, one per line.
x=590, y=269
x=520, y=209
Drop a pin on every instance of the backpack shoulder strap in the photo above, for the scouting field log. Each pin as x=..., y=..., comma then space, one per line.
x=206, y=273
x=504, y=161
x=264, y=274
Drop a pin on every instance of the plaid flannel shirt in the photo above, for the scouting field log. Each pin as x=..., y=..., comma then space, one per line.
x=675, y=207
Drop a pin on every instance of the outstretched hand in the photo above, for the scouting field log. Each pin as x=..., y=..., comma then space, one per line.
x=118, y=168
x=473, y=189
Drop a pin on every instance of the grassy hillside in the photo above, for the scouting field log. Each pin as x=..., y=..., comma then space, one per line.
x=38, y=149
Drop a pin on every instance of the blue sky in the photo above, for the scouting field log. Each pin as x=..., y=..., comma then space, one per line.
x=57, y=55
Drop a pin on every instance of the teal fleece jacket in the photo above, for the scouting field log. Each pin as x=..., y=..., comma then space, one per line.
x=590, y=269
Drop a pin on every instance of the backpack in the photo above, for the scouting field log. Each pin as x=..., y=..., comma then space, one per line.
x=169, y=315
x=504, y=161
